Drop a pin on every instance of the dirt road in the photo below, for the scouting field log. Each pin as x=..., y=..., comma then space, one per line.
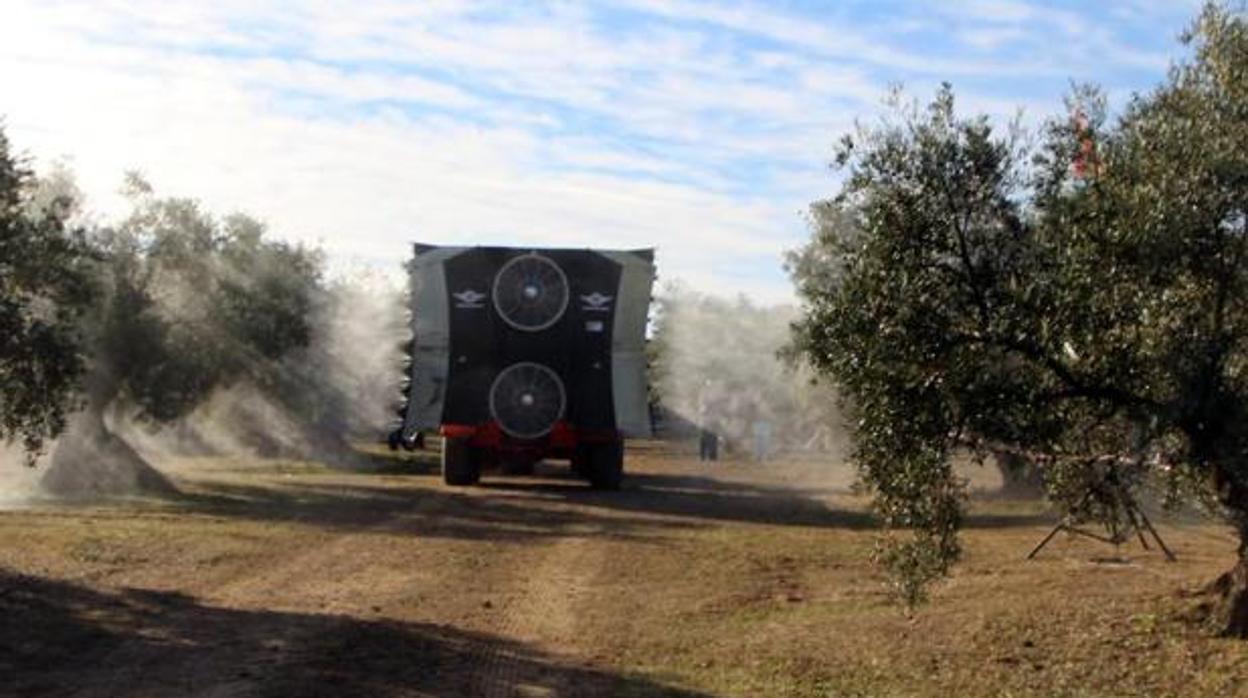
x=283, y=578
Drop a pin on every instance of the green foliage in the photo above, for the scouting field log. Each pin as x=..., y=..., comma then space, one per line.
x=1085, y=305
x=149, y=316
x=43, y=286
x=191, y=304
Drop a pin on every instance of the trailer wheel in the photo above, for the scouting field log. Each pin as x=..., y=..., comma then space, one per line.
x=606, y=465
x=461, y=463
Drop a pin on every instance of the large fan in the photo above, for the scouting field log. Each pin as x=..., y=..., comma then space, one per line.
x=530, y=292
x=527, y=399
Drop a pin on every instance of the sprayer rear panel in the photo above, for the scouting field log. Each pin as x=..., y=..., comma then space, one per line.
x=586, y=324
x=577, y=347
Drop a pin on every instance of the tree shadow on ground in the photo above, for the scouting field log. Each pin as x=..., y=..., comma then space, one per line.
x=64, y=639
x=710, y=498
x=396, y=507
x=691, y=497
x=418, y=462
x=394, y=493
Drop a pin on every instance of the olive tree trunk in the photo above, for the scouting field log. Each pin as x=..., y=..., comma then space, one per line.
x=1229, y=607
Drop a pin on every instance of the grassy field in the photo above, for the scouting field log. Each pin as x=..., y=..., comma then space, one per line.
x=287, y=578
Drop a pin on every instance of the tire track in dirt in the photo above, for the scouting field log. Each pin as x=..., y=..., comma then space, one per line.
x=279, y=584
x=541, y=614
x=342, y=557
x=527, y=639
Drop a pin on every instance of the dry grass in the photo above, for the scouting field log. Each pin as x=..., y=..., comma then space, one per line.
x=725, y=579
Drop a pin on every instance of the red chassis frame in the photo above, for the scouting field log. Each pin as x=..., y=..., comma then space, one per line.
x=561, y=442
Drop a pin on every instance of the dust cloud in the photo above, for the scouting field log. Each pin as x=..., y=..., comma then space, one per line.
x=718, y=363
x=316, y=402
x=19, y=479
x=312, y=405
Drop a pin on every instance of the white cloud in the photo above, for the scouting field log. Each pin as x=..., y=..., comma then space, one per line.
x=700, y=129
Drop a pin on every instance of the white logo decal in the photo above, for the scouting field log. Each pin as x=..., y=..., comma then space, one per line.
x=596, y=302
x=469, y=299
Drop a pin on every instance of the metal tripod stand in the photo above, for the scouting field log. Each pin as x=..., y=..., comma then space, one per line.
x=1110, y=490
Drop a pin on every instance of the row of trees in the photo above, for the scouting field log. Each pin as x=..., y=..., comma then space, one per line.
x=145, y=320
x=719, y=363
x=1082, y=301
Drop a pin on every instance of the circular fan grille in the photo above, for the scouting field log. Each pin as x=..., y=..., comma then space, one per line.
x=530, y=292
x=526, y=400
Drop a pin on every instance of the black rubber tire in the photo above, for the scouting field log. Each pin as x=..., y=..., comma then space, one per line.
x=606, y=465
x=461, y=463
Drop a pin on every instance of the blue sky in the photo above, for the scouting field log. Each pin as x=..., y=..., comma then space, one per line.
x=702, y=129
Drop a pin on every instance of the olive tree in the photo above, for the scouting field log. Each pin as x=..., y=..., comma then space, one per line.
x=1084, y=302
x=43, y=289
x=186, y=304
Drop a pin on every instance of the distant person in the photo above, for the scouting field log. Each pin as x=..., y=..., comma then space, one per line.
x=762, y=439
x=708, y=440
x=709, y=445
